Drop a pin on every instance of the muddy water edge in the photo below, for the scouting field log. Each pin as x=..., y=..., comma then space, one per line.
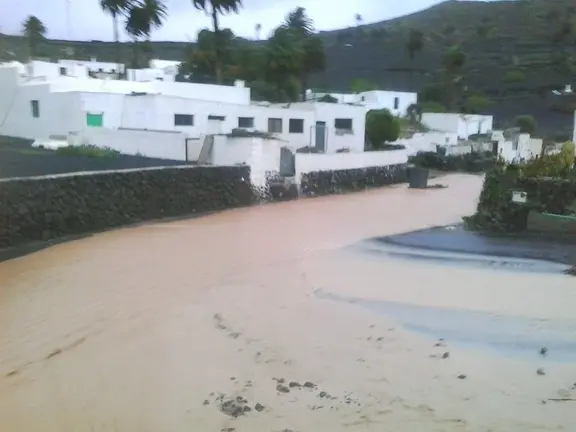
x=159, y=327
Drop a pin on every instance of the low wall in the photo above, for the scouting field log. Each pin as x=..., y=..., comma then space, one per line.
x=153, y=144
x=44, y=208
x=324, y=174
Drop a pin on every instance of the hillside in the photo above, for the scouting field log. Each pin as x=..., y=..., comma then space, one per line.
x=500, y=38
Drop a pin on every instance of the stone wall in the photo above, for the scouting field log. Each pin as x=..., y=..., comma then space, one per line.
x=350, y=180
x=45, y=208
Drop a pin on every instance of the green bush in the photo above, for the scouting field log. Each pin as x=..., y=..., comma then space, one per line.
x=87, y=150
x=381, y=127
x=432, y=107
x=514, y=76
x=496, y=211
x=526, y=123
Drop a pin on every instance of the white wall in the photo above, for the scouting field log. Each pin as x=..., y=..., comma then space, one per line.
x=58, y=113
x=462, y=124
x=263, y=155
x=161, y=145
x=149, y=74
x=519, y=148
x=427, y=141
x=311, y=162
x=328, y=113
x=378, y=99
x=374, y=99
x=95, y=66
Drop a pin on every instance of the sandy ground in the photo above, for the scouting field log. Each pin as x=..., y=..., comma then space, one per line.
x=152, y=328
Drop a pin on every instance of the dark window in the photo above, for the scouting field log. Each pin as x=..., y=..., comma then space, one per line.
x=245, y=122
x=296, y=126
x=35, y=105
x=275, y=125
x=396, y=103
x=363, y=98
x=63, y=71
x=183, y=120
x=215, y=117
x=343, y=123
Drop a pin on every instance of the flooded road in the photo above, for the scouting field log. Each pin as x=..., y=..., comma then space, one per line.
x=149, y=328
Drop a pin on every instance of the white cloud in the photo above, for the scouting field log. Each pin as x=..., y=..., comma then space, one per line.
x=88, y=22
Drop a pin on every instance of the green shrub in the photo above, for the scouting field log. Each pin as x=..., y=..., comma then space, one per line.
x=432, y=107
x=496, y=211
x=381, y=127
x=514, y=76
x=87, y=150
x=526, y=123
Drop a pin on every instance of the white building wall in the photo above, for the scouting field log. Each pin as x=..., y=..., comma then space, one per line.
x=154, y=144
x=58, y=114
x=462, y=124
x=94, y=66
x=396, y=102
x=263, y=155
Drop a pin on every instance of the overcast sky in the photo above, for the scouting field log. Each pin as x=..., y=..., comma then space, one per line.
x=87, y=22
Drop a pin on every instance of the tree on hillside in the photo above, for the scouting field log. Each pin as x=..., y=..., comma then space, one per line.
x=453, y=61
x=526, y=123
x=216, y=8
x=116, y=9
x=34, y=31
x=359, y=20
x=258, y=30
x=414, y=45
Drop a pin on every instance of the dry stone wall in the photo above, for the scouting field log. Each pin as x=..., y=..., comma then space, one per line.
x=45, y=208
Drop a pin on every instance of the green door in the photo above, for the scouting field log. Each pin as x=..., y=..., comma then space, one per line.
x=94, y=120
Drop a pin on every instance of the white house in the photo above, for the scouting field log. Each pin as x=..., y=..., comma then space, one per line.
x=396, y=102
x=462, y=124
x=40, y=102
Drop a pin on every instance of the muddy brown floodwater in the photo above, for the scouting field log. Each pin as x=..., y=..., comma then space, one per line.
x=154, y=328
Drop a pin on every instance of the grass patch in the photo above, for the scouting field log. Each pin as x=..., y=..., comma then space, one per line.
x=87, y=150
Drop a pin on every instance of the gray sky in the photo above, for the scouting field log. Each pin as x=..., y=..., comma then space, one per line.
x=88, y=22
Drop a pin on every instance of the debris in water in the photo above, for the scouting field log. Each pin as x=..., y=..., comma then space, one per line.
x=259, y=407
x=540, y=371
x=282, y=388
x=462, y=376
x=309, y=384
x=294, y=384
x=543, y=351
x=446, y=355
x=206, y=402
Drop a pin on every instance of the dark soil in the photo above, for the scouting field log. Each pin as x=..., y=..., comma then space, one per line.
x=19, y=159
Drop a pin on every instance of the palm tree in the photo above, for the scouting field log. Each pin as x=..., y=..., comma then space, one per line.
x=359, y=20
x=116, y=8
x=143, y=17
x=216, y=8
x=313, y=59
x=414, y=45
x=298, y=21
x=258, y=30
x=34, y=31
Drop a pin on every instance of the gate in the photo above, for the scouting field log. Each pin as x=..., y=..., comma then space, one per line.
x=287, y=162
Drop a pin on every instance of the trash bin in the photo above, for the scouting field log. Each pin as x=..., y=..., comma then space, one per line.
x=418, y=177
